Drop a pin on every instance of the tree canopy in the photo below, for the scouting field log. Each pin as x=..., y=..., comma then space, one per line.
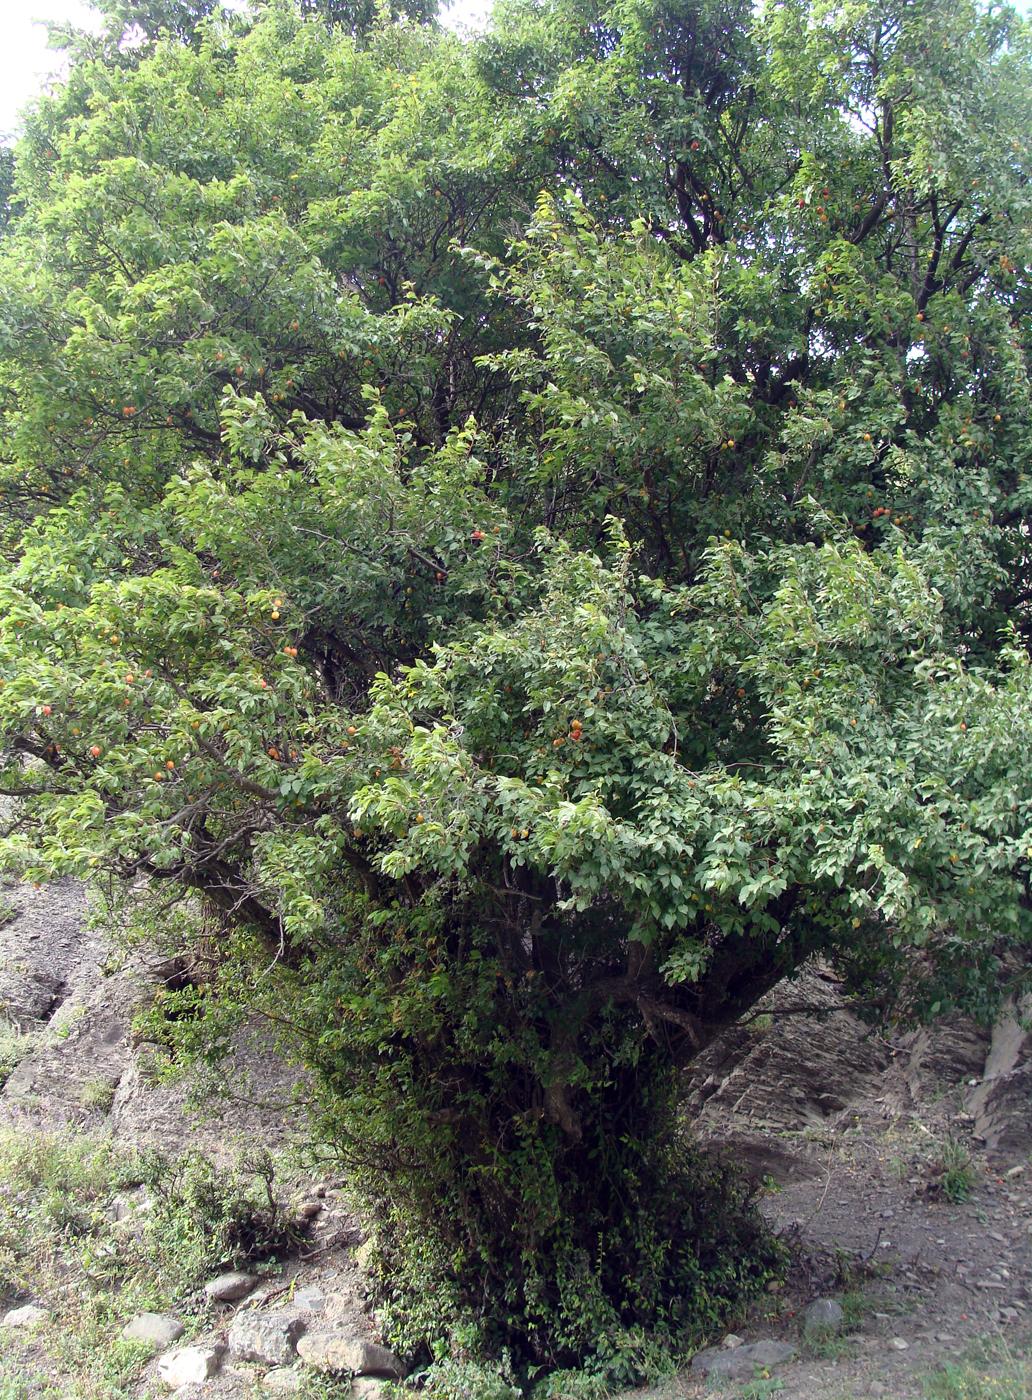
x=528, y=536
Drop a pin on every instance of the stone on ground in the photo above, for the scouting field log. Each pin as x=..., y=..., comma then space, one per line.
x=366, y=1388
x=189, y=1364
x=227, y=1288
x=823, y=1318
x=742, y=1362
x=28, y=1316
x=155, y=1329
x=336, y=1353
x=267, y=1337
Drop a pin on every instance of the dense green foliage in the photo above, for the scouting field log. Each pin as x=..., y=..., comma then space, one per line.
x=532, y=535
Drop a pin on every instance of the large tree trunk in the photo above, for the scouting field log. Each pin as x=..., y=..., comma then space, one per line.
x=527, y=1179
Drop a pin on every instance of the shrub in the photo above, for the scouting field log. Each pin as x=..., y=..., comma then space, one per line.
x=952, y=1174
x=189, y=1217
x=205, y=1218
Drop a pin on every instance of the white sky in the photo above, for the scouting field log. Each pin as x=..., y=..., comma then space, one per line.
x=26, y=62
x=25, y=59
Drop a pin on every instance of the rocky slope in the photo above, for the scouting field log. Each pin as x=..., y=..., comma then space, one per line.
x=74, y=997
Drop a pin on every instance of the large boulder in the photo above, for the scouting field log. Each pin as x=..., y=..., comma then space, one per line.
x=267, y=1337
x=157, y=1330
x=823, y=1318
x=228, y=1288
x=742, y=1363
x=339, y=1354
x=189, y=1364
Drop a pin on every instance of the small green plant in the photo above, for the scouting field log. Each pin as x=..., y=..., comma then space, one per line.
x=65, y=1021
x=850, y=1271
x=900, y=1168
x=462, y=1380
x=826, y=1346
x=97, y=1095
x=953, y=1172
x=761, y=1388
x=152, y=1064
x=856, y=1307
x=313, y=1387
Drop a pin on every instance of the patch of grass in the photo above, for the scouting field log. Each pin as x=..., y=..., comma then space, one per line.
x=990, y=1370
x=314, y=1387
x=957, y=1173
x=900, y=1168
x=573, y=1385
x=101, y=1364
x=16, y=1382
x=761, y=1389
x=857, y=1306
x=825, y=1346
x=97, y=1095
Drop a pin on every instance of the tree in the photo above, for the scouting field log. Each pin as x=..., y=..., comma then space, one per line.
x=6, y=182
x=136, y=21
x=360, y=15
x=529, y=626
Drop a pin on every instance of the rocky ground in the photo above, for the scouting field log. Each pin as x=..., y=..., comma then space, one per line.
x=899, y=1172
x=862, y=1142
